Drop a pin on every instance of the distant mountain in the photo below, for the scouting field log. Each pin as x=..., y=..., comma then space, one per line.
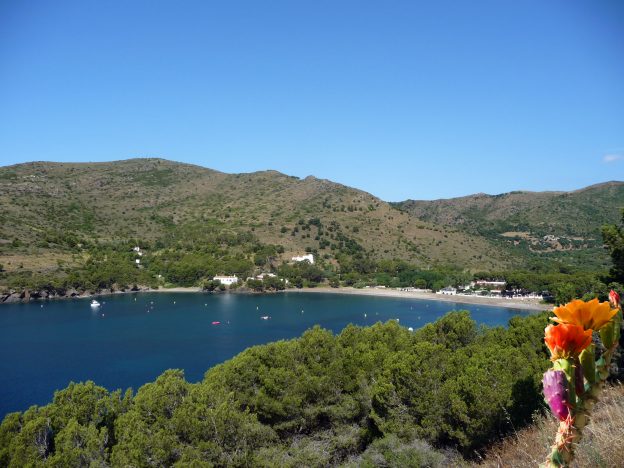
x=538, y=224
x=153, y=198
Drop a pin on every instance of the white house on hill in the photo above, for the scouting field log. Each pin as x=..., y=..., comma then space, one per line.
x=301, y=258
x=227, y=280
x=261, y=276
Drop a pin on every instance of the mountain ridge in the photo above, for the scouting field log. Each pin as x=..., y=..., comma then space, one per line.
x=153, y=197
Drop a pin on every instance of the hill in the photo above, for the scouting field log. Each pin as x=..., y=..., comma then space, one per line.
x=532, y=225
x=48, y=211
x=43, y=204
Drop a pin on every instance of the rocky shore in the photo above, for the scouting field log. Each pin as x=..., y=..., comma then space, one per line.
x=26, y=295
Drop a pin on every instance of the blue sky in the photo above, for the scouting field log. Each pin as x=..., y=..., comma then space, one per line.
x=402, y=99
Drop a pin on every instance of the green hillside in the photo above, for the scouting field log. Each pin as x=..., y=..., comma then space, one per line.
x=49, y=212
x=48, y=209
x=533, y=225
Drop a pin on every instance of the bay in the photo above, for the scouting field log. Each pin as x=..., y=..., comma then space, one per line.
x=132, y=338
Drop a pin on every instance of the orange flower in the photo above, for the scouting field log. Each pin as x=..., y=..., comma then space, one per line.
x=591, y=315
x=566, y=340
x=614, y=299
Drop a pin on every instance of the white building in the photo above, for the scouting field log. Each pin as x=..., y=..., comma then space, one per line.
x=261, y=276
x=227, y=280
x=301, y=258
x=448, y=291
x=488, y=283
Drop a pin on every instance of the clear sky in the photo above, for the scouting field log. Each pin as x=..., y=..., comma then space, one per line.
x=402, y=99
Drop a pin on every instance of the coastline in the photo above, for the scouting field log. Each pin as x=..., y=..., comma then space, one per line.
x=26, y=296
x=487, y=301
x=529, y=304
x=177, y=289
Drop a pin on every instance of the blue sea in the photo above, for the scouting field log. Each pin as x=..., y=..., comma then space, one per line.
x=133, y=338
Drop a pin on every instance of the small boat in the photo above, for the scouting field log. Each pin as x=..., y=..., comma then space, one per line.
x=265, y=317
x=216, y=323
x=95, y=303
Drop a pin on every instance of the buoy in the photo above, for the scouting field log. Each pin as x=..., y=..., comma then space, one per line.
x=173, y=302
x=102, y=315
x=364, y=315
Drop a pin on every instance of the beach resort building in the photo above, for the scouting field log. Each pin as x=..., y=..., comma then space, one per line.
x=226, y=280
x=488, y=284
x=301, y=258
x=448, y=291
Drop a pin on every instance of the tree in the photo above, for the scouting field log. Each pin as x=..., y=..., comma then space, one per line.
x=255, y=284
x=211, y=285
x=613, y=237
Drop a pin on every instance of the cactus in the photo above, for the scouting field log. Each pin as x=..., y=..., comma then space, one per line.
x=556, y=393
x=573, y=384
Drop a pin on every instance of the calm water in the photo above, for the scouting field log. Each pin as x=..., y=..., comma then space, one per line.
x=133, y=338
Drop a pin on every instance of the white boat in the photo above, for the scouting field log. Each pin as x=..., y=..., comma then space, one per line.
x=95, y=303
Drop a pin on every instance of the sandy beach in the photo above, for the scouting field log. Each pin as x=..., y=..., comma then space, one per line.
x=528, y=304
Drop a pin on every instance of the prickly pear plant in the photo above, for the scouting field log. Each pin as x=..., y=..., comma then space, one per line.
x=573, y=384
x=556, y=393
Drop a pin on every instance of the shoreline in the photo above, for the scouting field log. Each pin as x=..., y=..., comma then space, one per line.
x=519, y=304
x=528, y=304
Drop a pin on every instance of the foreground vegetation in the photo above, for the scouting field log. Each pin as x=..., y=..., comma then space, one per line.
x=363, y=397
x=601, y=444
